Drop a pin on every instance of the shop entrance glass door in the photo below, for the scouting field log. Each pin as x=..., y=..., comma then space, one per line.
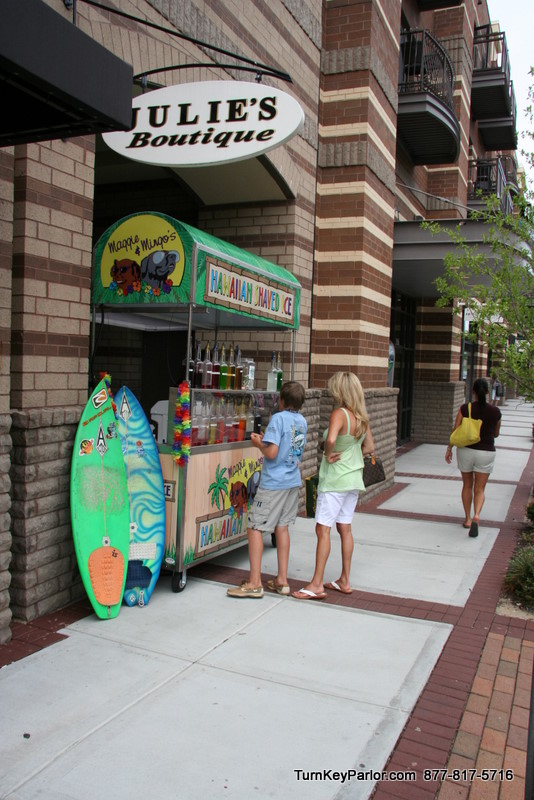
x=402, y=334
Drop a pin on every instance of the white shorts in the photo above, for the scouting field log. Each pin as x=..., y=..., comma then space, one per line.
x=470, y=460
x=335, y=507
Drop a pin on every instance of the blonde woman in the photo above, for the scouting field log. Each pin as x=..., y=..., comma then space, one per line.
x=347, y=438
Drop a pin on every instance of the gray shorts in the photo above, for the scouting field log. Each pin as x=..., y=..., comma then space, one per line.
x=272, y=507
x=470, y=460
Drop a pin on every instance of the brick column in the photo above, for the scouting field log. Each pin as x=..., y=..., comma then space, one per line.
x=438, y=345
x=437, y=392
x=6, y=243
x=52, y=273
x=454, y=29
x=356, y=186
x=52, y=248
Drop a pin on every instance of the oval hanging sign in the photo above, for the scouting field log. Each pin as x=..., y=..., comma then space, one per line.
x=210, y=122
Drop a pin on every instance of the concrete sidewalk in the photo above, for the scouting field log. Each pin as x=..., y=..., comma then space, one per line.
x=202, y=696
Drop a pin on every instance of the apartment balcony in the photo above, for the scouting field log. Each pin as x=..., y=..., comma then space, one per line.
x=510, y=170
x=492, y=92
x=487, y=177
x=433, y=5
x=427, y=125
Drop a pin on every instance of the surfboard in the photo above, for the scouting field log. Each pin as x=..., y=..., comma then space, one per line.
x=99, y=503
x=147, y=499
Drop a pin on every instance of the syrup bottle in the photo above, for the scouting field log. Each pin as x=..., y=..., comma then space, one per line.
x=191, y=367
x=203, y=425
x=223, y=369
x=235, y=424
x=212, y=426
x=257, y=417
x=194, y=425
x=230, y=381
x=199, y=368
x=241, y=422
x=249, y=426
x=207, y=369
x=216, y=368
x=229, y=423
x=238, y=369
x=221, y=422
x=272, y=375
x=279, y=372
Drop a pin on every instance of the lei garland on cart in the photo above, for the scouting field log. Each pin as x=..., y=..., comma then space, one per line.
x=182, y=425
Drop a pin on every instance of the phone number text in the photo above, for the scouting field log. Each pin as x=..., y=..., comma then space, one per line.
x=468, y=775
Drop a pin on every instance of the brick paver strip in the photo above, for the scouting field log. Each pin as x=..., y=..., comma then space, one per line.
x=499, y=688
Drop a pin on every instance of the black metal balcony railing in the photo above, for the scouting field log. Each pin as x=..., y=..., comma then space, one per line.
x=490, y=51
x=487, y=177
x=493, y=90
x=513, y=107
x=510, y=170
x=425, y=66
x=427, y=125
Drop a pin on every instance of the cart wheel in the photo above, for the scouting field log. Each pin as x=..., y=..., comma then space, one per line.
x=179, y=580
x=273, y=539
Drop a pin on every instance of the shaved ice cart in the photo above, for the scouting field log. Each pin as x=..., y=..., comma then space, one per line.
x=151, y=270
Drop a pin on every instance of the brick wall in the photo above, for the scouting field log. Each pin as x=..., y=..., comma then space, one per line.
x=311, y=458
x=44, y=568
x=52, y=251
x=120, y=353
x=6, y=240
x=5, y=527
x=355, y=193
x=435, y=406
x=438, y=342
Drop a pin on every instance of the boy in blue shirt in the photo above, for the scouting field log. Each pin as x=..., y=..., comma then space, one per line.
x=275, y=505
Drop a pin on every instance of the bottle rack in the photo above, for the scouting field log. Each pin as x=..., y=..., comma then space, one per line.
x=225, y=417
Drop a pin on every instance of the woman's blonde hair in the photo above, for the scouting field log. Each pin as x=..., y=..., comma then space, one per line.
x=347, y=391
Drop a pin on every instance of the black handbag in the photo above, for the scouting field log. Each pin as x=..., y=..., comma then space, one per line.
x=373, y=470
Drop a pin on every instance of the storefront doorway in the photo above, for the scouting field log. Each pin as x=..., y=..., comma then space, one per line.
x=469, y=353
x=402, y=334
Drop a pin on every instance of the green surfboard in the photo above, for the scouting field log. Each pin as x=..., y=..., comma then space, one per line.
x=99, y=504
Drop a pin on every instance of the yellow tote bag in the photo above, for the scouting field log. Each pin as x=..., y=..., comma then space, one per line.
x=467, y=433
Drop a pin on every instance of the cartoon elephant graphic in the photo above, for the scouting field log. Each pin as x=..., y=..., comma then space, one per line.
x=156, y=268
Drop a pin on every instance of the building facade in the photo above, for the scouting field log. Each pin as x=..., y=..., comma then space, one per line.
x=409, y=109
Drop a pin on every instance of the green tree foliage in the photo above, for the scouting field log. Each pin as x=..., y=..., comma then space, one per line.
x=495, y=283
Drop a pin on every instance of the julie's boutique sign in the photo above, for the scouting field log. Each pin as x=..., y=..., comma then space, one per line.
x=210, y=122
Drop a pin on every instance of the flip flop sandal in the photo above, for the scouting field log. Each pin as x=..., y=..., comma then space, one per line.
x=309, y=595
x=335, y=585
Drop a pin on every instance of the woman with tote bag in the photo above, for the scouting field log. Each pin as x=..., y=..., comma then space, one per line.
x=475, y=461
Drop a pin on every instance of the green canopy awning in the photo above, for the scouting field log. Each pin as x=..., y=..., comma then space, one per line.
x=150, y=262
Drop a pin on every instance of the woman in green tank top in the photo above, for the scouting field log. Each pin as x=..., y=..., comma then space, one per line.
x=346, y=439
